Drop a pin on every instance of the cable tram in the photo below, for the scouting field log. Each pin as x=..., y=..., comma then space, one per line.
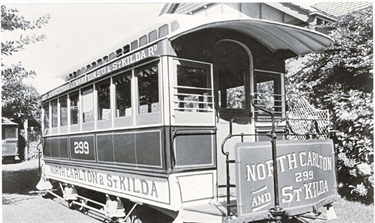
x=180, y=118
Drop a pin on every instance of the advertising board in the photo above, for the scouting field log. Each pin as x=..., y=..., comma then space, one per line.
x=306, y=177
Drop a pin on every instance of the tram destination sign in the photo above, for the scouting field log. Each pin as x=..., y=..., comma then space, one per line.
x=121, y=62
x=306, y=177
x=132, y=185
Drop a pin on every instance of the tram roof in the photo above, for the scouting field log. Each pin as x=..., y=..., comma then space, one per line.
x=274, y=35
x=279, y=37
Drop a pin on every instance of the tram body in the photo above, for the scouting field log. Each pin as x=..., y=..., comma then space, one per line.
x=146, y=122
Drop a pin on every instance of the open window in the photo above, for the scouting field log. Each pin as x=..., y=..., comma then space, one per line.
x=123, y=99
x=103, y=101
x=148, y=104
x=268, y=94
x=54, y=116
x=63, y=104
x=46, y=118
x=87, y=108
x=192, y=92
x=74, y=111
x=232, y=77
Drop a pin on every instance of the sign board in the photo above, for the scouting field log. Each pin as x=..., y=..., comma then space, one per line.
x=306, y=177
x=125, y=184
x=110, y=67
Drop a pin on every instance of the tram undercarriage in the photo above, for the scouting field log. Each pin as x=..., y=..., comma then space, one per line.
x=103, y=207
x=112, y=209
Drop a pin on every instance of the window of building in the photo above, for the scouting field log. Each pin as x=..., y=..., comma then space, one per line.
x=54, y=113
x=148, y=88
x=104, y=100
x=88, y=104
x=63, y=111
x=74, y=108
x=123, y=94
x=46, y=116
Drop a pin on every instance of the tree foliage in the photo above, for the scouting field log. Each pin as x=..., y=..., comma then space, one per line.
x=19, y=101
x=341, y=79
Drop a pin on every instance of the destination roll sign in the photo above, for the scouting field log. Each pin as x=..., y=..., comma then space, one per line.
x=117, y=64
x=306, y=176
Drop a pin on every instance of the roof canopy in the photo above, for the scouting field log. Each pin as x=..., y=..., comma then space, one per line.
x=276, y=36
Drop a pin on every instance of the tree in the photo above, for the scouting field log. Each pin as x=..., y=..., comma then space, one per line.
x=341, y=79
x=19, y=101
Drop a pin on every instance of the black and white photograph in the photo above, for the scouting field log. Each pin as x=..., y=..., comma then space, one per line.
x=187, y=112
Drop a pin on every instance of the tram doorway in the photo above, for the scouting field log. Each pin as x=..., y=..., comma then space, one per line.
x=233, y=76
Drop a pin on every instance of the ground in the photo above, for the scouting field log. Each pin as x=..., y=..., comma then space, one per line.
x=22, y=203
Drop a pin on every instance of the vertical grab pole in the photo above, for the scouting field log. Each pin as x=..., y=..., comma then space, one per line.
x=227, y=161
x=277, y=212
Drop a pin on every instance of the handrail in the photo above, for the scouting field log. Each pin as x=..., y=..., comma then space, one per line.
x=277, y=212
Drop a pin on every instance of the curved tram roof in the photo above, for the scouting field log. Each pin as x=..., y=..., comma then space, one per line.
x=276, y=36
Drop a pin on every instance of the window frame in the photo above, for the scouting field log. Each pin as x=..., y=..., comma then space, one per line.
x=181, y=116
x=88, y=125
x=46, y=112
x=74, y=127
x=279, y=104
x=11, y=127
x=149, y=118
x=103, y=123
x=54, y=129
x=63, y=128
x=126, y=120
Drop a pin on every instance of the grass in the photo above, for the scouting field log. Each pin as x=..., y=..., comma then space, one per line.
x=353, y=212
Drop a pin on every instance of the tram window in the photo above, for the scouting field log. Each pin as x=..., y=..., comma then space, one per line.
x=142, y=40
x=123, y=94
x=74, y=108
x=46, y=116
x=194, y=87
x=232, y=92
x=104, y=100
x=163, y=30
x=63, y=111
x=11, y=133
x=88, y=105
x=54, y=113
x=153, y=35
x=148, y=88
x=134, y=45
x=268, y=91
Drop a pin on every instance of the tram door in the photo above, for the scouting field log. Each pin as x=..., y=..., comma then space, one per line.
x=233, y=78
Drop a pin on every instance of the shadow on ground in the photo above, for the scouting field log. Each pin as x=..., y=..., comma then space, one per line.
x=19, y=179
